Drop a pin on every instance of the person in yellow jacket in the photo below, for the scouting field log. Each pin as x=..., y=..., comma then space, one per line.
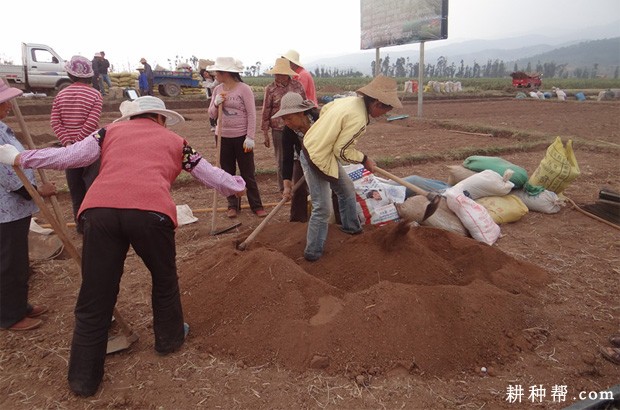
x=328, y=144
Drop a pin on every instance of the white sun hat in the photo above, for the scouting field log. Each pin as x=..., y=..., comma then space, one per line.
x=148, y=104
x=228, y=64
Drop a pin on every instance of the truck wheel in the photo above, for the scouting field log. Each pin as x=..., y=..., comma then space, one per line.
x=162, y=90
x=64, y=85
x=172, y=90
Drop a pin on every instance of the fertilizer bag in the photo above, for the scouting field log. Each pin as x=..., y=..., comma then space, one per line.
x=485, y=183
x=504, y=209
x=474, y=217
x=499, y=165
x=546, y=202
x=558, y=168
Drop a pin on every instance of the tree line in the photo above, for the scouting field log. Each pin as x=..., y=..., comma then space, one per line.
x=492, y=69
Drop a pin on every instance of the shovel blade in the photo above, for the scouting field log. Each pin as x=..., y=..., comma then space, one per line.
x=120, y=342
x=224, y=230
x=432, y=206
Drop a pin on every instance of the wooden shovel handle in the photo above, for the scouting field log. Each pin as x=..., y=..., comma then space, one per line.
x=243, y=245
x=401, y=181
x=218, y=148
x=30, y=144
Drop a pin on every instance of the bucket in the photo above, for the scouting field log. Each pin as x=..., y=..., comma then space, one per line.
x=580, y=96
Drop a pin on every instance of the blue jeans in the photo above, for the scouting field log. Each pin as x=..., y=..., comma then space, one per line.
x=321, y=207
x=104, y=78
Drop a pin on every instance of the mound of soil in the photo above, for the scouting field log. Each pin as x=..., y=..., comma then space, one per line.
x=387, y=301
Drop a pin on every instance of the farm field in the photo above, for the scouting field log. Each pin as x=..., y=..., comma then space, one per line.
x=368, y=326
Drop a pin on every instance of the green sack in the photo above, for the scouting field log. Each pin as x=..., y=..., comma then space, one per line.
x=480, y=163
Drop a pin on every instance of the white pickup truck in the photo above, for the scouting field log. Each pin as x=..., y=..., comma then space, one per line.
x=42, y=70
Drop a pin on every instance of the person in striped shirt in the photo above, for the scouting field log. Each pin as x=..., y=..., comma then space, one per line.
x=75, y=115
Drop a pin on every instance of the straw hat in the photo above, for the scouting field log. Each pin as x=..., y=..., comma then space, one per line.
x=383, y=89
x=148, y=104
x=293, y=57
x=291, y=103
x=80, y=67
x=228, y=64
x=8, y=93
x=203, y=64
x=282, y=67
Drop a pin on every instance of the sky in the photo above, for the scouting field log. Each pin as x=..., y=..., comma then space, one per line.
x=260, y=31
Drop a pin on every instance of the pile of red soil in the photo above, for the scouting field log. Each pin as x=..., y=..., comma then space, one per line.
x=426, y=301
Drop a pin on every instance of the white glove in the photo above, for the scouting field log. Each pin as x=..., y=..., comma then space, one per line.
x=8, y=153
x=219, y=99
x=248, y=145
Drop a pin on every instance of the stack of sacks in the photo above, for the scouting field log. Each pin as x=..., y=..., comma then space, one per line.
x=532, y=194
x=124, y=79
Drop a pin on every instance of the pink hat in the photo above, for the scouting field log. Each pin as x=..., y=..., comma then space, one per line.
x=80, y=67
x=8, y=93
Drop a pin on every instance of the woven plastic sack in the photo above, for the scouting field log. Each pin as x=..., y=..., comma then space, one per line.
x=458, y=173
x=546, y=202
x=558, y=168
x=474, y=217
x=499, y=165
x=445, y=219
x=485, y=183
x=504, y=209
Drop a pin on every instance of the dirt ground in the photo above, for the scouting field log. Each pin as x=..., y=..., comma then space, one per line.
x=376, y=323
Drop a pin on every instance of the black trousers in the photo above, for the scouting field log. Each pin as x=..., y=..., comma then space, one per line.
x=299, y=199
x=78, y=181
x=14, y=271
x=107, y=236
x=232, y=154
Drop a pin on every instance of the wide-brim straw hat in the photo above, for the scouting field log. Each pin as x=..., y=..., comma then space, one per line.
x=292, y=103
x=148, y=104
x=293, y=57
x=383, y=89
x=283, y=67
x=80, y=67
x=228, y=64
x=8, y=93
x=203, y=63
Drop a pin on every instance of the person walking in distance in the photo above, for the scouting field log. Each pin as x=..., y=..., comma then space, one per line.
x=148, y=71
x=104, y=76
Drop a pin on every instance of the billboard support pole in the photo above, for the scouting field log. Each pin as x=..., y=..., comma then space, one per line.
x=420, y=79
x=377, y=67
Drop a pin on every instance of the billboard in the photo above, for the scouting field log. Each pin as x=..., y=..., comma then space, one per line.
x=395, y=22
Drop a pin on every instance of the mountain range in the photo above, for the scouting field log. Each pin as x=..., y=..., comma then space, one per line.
x=579, y=48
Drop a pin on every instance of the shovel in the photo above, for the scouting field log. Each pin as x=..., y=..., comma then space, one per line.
x=244, y=245
x=127, y=336
x=218, y=140
x=433, y=197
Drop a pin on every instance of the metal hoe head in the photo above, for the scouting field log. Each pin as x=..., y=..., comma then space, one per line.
x=434, y=199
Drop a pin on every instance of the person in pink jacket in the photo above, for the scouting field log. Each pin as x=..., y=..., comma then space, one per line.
x=128, y=204
x=238, y=129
